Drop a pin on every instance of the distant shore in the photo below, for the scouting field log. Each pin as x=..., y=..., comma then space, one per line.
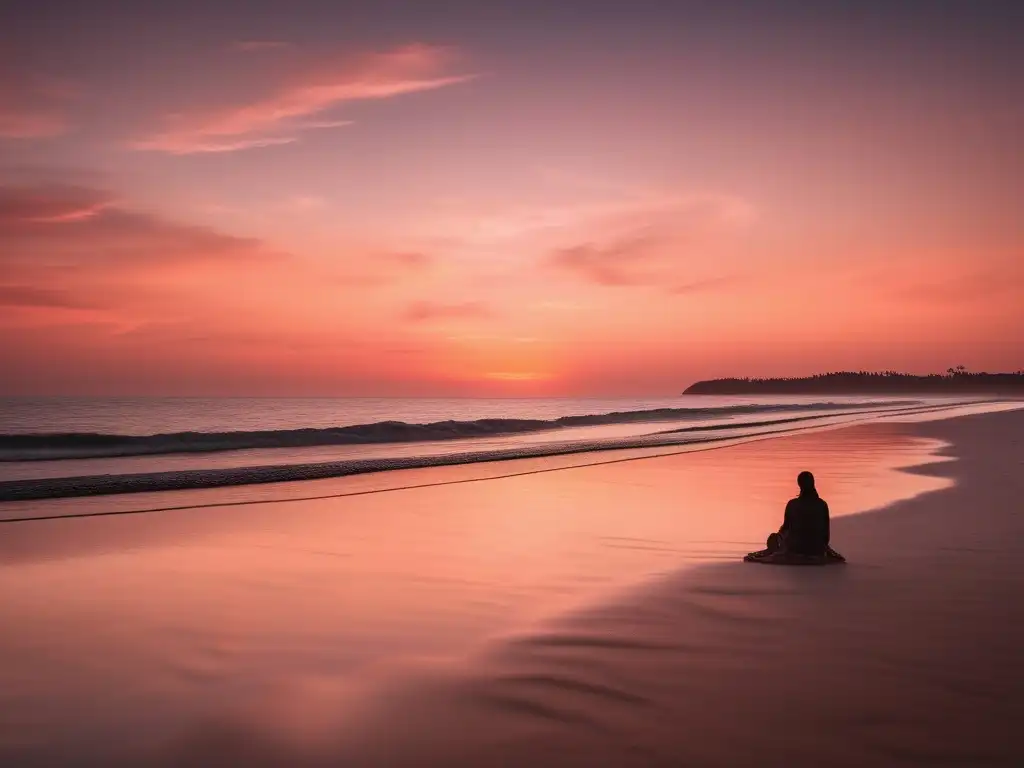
x=954, y=382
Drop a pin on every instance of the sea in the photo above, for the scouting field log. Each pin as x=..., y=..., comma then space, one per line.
x=74, y=446
x=580, y=608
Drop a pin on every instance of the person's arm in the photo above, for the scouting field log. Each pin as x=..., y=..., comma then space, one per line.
x=826, y=523
x=787, y=518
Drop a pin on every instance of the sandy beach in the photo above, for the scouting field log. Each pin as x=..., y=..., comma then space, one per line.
x=593, y=616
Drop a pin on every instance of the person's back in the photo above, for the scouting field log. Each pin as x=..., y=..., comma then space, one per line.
x=806, y=526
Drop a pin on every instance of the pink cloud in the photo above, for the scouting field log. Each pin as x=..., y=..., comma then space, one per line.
x=315, y=125
x=618, y=263
x=407, y=259
x=425, y=311
x=651, y=245
x=29, y=206
x=71, y=249
x=31, y=106
x=277, y=118
x=65, y=225
x=199, y=147
x=704, y=286
x=40, y=296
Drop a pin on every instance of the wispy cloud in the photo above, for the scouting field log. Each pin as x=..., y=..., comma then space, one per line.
x=651, y=245
x=425, y=311
x=704, y=286
x=209, y=147
x=618, y=217
x=617, y=263
x=76, y=256
x=280, y=116
x=31, y=106
x=39, y=296
x=30, y=206
x=316, y=125
x=407, y=259
x=87, y=278
x=77, y=248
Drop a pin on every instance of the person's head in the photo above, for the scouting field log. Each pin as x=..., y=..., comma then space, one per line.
x=806, y=482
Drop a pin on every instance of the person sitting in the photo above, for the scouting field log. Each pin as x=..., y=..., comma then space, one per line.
x=805, y=527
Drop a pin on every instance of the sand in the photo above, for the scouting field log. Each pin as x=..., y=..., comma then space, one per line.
x=909, y=655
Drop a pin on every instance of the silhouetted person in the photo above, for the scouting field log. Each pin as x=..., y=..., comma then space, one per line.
x=805, y=528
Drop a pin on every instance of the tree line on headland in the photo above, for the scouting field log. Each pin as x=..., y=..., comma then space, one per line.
x=954, y=381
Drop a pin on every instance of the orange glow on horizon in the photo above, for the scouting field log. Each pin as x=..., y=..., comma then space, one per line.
x=517, y=376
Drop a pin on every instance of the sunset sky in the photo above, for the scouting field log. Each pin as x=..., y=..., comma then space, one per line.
x=504, y=198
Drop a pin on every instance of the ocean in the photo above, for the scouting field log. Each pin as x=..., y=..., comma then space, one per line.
x=65, y=447
x=584, y=609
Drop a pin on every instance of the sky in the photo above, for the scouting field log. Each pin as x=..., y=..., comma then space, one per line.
x=504, y=198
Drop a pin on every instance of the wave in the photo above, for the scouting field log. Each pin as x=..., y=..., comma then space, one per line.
x=189, y=479
x=82, y=445
x=177, y=480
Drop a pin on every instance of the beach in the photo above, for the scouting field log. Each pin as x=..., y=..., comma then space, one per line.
x=585, y=610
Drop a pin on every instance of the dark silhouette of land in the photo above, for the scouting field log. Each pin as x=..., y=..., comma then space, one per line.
x=956, y=381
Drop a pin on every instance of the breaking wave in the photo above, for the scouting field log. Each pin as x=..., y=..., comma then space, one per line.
x=80, y=445
x=101, y=484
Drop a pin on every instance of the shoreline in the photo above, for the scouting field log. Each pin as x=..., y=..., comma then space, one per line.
x=76, y=486
x=207, y=495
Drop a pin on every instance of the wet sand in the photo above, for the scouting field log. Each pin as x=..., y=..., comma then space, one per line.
x=493, y=623
x=911, y=655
